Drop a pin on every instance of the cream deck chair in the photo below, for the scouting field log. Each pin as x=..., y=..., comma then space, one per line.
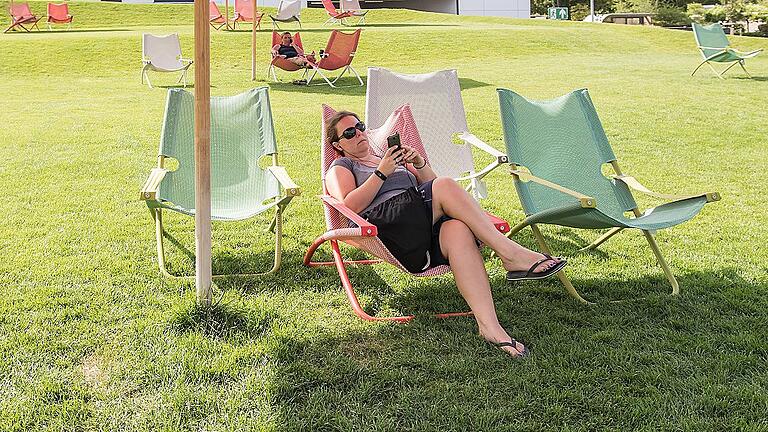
x=287, y=11
x=435, y=99
x=163, y=54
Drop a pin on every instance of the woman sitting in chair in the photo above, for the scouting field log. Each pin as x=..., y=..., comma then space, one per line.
x=290, y=51
x=426, y=221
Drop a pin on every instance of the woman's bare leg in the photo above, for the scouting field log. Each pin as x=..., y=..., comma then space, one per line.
x=457, y=243
x=450, y=199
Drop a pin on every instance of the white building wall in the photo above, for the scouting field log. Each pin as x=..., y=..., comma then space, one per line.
x=505, y=8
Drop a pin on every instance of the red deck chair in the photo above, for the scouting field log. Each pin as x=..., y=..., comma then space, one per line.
x=282, y=63
x=244, y=13
x=338, y=54
x=58, y=13
x=21, y=17
x=335, y=16
x=216, y=18
x=364, y=237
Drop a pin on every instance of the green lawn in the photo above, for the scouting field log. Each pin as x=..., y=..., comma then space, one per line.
x=93, y=338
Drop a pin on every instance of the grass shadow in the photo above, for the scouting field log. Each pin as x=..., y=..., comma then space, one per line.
x=348, y=86
x=222, y=320
x=753, y=78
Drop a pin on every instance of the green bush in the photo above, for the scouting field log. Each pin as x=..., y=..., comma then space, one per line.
x=667, y=16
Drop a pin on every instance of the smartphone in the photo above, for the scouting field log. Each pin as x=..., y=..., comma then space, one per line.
x=394, y=140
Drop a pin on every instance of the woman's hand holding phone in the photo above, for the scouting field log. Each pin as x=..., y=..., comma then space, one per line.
x=390, y=160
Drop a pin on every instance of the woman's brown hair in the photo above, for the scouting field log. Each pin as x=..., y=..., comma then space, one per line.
x=330, y=132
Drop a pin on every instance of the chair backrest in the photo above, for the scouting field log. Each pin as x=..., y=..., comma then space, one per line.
x=711, y=38
x=289, y=8
x=163, y=52
x=350, y=5
x=241, y=132
x=340, y=50
x=20, y=10
x=562, y=141
x=329, y=7
x=213, y=10
x=244, y=8
x=277, y=38
x=59, y=11
x=435, y=99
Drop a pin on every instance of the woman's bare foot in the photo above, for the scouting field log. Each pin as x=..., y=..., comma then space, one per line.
x=501, y=340
x=525, y=258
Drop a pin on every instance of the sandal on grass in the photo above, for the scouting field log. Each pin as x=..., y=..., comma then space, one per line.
x=532, y=275
x=513, y=344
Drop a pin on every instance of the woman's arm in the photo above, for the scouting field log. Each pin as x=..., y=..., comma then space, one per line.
x=340, y=183
x=424, y=173
x=275, y=51
x=299, y=51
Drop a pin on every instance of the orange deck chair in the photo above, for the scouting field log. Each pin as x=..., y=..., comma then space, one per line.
x=22, y=17
x=335, y=16
x=282, y=63
x=216, y=18
x=364, y=236
x=338, y=54
x=58, y=13
x=244, y=13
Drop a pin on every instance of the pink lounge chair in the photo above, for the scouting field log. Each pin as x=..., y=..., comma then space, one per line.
x=216, y=18
x=22, y=17
x=335, y=16
x=364, y=236
x=282, y=63
x=338, y=54
x=244, y=13
x=58, y=13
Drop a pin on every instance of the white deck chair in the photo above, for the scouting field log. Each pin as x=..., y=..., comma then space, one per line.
x=353, y=7
x=163, y=54
x=435, y=100
x=287, y=11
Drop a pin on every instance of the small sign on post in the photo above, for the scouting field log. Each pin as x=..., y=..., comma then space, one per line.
x=557, y=13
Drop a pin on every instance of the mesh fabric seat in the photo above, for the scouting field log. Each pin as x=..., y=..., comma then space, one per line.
x=435, y=99
x=21, y=17
x=287, y=11
x=364, y=235
x=163, y=54
x=715, y=48
x=244, y=13
x=241, y=133
x=339, y=53
x=557, y=150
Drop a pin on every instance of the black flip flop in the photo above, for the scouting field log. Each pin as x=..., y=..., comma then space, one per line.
x=531, y=275
x=513, y=344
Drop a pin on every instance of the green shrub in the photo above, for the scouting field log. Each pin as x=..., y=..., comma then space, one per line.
x=667, y=16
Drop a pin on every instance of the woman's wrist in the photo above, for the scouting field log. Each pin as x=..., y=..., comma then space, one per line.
x=421, y=165
x=380, y=175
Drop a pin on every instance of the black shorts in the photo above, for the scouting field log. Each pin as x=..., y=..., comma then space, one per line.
x=436, y=255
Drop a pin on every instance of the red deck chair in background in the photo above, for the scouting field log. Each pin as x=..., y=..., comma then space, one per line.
x=216, y=18
x=282, y=63
x=21, y=17
x=58, y=13
x=335, y=16
x=244, y=13
x=364, y=236
x=338, y=54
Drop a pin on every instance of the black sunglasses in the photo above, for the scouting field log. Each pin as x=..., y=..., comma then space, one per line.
x=350, y=132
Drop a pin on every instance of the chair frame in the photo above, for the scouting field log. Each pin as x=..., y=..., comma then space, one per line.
x=213, y=21
x=149, y=194
x=336, y=16
x=317, y=70
x=149, y=66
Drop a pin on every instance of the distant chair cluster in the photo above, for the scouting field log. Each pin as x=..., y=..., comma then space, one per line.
x=22, y=18
x=287, y=11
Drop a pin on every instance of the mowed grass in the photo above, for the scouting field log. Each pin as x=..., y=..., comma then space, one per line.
x=93, y=338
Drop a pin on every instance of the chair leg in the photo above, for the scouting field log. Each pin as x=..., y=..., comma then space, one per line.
x=719, y=75
x=741, y=63
x=729, y=67
x=662, y=262
x=561, y=274
x=157, y=215
x=602, y=239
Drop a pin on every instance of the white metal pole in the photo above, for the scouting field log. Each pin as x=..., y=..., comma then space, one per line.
x=202, y=154
x=591, y=10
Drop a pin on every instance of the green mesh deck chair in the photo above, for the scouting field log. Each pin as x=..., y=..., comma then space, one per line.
x=557, y=150
x=241, y=134
x=714, y=47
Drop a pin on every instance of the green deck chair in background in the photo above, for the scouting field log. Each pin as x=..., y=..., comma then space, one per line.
x=241, y=134
x=714, y=47
x=557, y=150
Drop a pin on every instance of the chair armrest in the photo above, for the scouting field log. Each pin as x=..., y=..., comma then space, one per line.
x=469, y=138
x=636, y=185
x=586, y=201
x=367, y=229
x=501, y=225
x=149, y=190
x=190, y=61
x=291, y=188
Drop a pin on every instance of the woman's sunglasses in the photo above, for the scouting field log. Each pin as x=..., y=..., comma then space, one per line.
x=350, y=132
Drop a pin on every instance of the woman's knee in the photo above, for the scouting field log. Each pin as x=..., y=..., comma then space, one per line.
x=445, y=183
x=456, y=233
